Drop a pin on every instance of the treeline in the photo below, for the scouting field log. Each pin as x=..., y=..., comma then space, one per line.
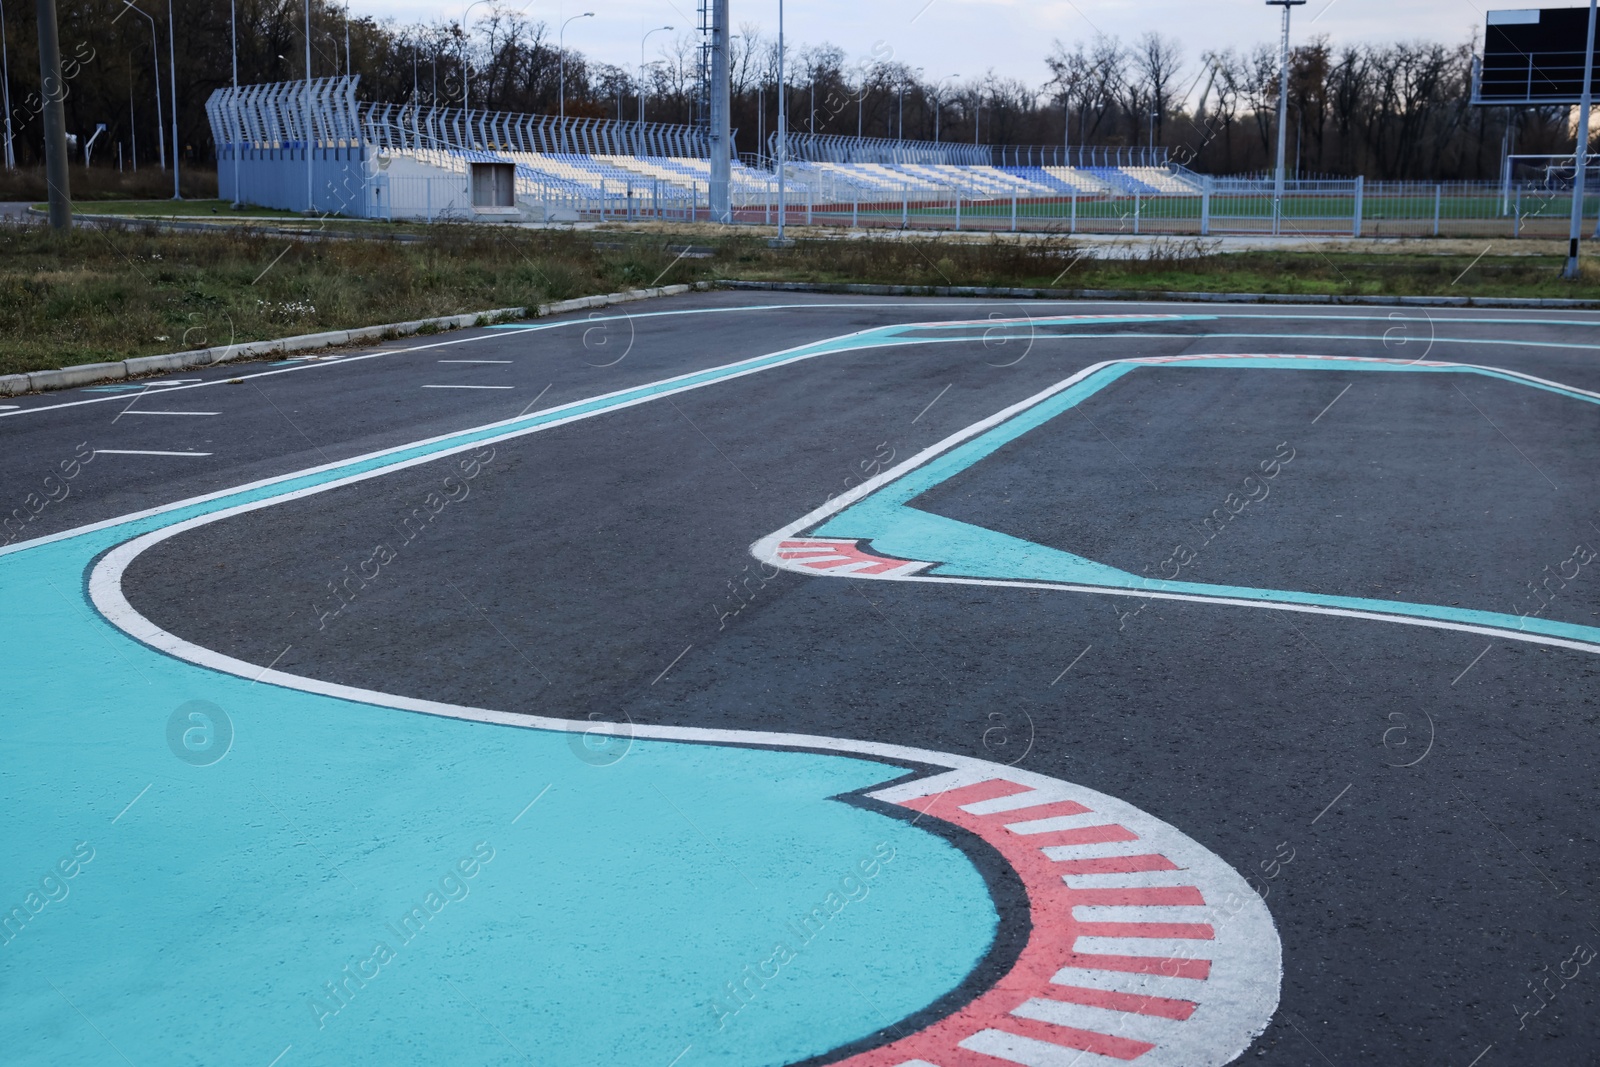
x=1398, y=111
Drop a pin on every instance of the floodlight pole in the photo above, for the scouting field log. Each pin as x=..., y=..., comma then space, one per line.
x=172, y=76
x=638, y=136
x=311, y=198
x=1283, y=114
x=720, y=202
x=233, y=34
x=55, y=123
x=783, y=135
x=1581, y=157
x=5, y=90
x=561, y=47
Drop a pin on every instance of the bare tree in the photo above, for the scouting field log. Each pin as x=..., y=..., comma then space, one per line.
x=1158, y=62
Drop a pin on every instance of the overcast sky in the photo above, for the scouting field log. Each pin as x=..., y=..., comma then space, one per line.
x=972, y=37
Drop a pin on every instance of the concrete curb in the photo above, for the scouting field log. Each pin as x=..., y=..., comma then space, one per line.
x=92, y=373
x=1141, y=294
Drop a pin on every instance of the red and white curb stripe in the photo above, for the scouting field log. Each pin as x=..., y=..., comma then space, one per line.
x=835, y=556
x=1144, y=946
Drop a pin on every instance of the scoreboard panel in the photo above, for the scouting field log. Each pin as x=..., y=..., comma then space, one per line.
x=1533, y=56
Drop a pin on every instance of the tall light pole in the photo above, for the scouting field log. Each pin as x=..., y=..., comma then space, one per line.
x=938, y=106
x=1581, y=157
x=561, y=47
x=311, y=199
x=783, y=133
x=55, y=121
x=719, y=202
x=638, y=146
x=5, y=83
x=466, y=86
x=172, y=74
x=155, y=60
x=902, y=134
x=861, y=105
x=233, y=34
x=1283, y=114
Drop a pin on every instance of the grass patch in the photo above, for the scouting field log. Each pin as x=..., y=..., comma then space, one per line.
x=121, y=291
x=107, y=183
x=116, y=292
x=182, y=208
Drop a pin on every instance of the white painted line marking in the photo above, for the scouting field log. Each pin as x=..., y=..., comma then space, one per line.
x=1057, y=822
x=469, y=387
x=142, y=452
x=1474, y=662
x=1095, y=850
x=10, y=407
x=131, y=803
x=1071, y=665
x=1129, y=879
x=1152, y=1028
x=1331, y=803
x=673, y=664
x=1003, y=1045
x=1150, y=985
x=531, y=803
x=172, y=413
x=496, y=361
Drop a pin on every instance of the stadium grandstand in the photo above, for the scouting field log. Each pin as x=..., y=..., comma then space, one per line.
x=316, y=147
x=376, y=160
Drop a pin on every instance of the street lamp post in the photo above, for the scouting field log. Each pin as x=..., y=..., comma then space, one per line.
x=5, y=74
x=783, y=135
x=861, y=105
x=233, y=34
x=172, y=75
x=561, y=47
x=311, y=196
x=1581, y=157
x=155, y=60
x=1283, y=114
x=938, y=107
x=466, y=84
x=638, y=147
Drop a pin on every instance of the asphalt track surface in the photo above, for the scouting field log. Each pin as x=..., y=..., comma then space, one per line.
x=1416, y=803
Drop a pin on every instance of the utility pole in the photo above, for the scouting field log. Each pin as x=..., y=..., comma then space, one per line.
x=783, y=137
x=1283, y=114
x=5, y=85
x=721, y=132
x=55, y=119
x=172, y=81
x=638, y=134
x=1581, y=156
x=238, y=146
x=311, y=199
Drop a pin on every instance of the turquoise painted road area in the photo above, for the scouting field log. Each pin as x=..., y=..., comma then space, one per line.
x=218, y=902
x=897, y=528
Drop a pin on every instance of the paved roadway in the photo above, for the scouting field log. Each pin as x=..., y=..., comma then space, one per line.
x=1417, y=803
